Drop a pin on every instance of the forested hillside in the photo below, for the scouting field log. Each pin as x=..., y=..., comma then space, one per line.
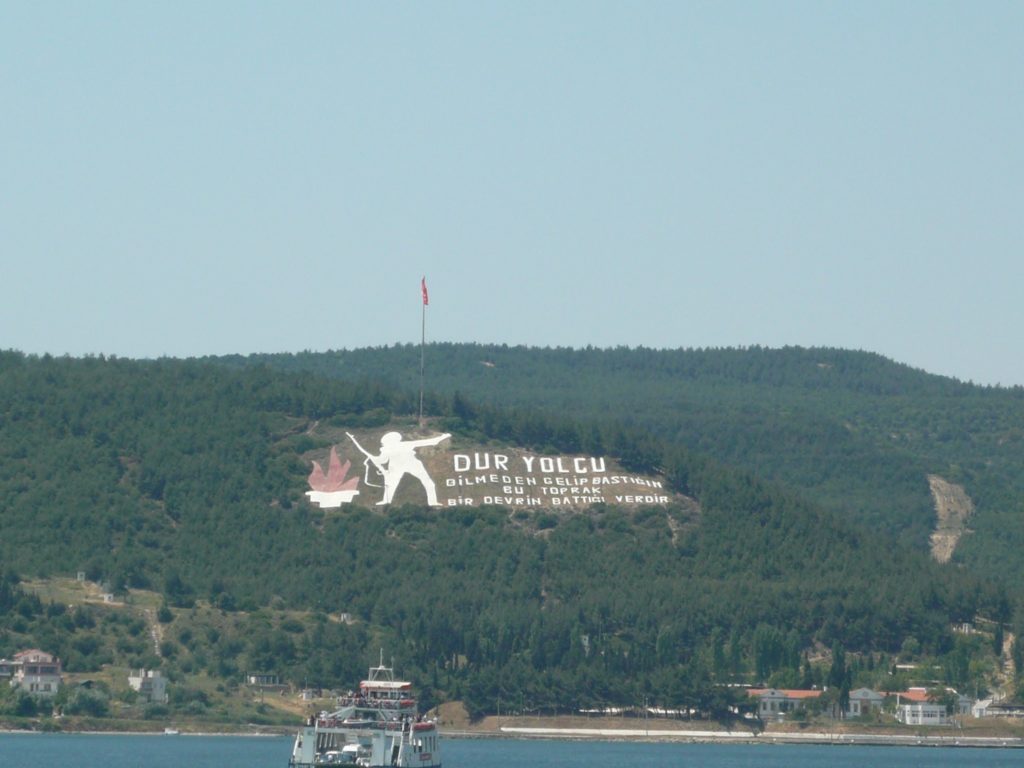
x=187, y=478
x=854, y=432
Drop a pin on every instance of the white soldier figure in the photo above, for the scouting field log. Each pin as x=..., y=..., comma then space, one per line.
x=397, y=458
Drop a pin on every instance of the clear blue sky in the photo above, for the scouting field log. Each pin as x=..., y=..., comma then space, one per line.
x=202, y=178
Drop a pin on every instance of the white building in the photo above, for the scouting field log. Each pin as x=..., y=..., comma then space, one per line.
x=922, y=714
x=963, y=704
x=980, y=708
x=36, y=672
x=151, y=685
x=776, y=703
x=1003, y=709
x=266, y=679
x=864, y=701
x=959, y=704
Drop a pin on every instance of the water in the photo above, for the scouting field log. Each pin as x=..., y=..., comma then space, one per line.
x=108, y=751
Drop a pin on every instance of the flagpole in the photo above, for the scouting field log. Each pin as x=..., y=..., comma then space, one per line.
x=423, y=341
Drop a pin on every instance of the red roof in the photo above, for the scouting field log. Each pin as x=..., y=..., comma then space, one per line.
x=919, y=695
x=35, y=655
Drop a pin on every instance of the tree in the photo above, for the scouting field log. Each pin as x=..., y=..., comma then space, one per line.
x=839, y=678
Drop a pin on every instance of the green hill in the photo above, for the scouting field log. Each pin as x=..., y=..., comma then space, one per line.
x=188, y=478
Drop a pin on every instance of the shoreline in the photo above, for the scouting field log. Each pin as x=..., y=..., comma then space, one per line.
x=992, y=737
x=632, y=735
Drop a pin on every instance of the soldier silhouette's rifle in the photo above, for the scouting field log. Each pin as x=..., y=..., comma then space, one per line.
x=370, y=459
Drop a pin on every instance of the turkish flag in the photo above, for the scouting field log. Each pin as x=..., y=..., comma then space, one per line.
x=423, y=287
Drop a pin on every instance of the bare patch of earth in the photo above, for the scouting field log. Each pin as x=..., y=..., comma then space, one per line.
x=952, y=509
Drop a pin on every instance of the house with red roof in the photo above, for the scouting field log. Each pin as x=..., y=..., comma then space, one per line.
x=36, y=672
x=914, y=706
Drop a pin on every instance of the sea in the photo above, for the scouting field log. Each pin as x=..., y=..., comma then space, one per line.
x=21, y=750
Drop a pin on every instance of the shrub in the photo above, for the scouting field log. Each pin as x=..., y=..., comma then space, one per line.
x=86, y=701
x=156, y=712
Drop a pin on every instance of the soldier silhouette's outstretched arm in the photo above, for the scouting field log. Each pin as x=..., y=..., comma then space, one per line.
x=427, y=441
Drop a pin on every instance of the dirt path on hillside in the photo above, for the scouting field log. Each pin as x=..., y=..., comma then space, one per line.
x=156, y=630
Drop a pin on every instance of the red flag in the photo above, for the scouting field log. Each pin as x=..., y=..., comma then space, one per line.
x=423, y=287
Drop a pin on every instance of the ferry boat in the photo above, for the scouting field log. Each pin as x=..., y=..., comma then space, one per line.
x=377, y=727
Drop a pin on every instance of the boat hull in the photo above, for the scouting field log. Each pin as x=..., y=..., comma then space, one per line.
x=399, y=747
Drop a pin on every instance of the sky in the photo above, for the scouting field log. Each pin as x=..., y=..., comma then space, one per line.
x=193, y=178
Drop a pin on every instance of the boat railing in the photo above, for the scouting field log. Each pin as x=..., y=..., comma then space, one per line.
x=364, y=703
x=337, y=722
x=404, y=724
